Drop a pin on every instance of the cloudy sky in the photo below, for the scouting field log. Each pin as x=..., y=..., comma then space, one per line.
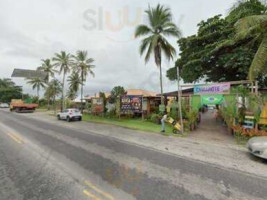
x=31, y=30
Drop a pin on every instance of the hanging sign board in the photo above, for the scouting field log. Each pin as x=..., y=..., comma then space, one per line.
x=212, y=99
x=144, y=104
x=162, y=108
x=223, y=88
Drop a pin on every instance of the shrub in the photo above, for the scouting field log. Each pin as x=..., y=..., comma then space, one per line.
x=111, y=113
x=155, y=118
x=239, y=130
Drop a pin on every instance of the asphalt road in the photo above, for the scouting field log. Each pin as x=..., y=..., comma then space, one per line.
x=42, y=160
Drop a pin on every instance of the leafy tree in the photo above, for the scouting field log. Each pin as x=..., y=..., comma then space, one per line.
x=64, y=62
x=84, y=66
x=37, y=83
x=9, y=90
x=102, y=95
x=54, y=88
x=159, y=27
x=48, y=68
x=115, y=93
x=212, y=54
x=6, y=82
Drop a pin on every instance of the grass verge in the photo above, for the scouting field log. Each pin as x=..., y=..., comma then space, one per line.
x=135, y=124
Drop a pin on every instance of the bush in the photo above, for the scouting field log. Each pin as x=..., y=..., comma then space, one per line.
x=239, y=130
x=155, y=118
x=111, y=113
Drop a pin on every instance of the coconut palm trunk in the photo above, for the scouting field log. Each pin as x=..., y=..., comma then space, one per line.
x=38, y=89
x=158, y=62
x=161, y=86
x=54, y=104
x=82, y=73
x=63, y=96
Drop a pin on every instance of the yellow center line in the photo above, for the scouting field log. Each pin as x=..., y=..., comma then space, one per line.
x=17, y=136
x=107, y=195
x=14, y=138
x=87, y=193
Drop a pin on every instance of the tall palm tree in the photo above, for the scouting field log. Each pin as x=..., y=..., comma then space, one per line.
x=74, y=81
x=84, y=66
x=64, y=62
x=48, y=68
x=159, y=26
x=255, y=26
x=37, y=83
x=53, y=89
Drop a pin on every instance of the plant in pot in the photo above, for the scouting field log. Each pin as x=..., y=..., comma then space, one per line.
x=192, y=119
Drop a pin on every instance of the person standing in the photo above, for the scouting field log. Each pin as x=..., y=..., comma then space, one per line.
x=163, y=119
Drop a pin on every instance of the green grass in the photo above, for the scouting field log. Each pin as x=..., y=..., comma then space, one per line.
x=135, y=124
x=41, y=110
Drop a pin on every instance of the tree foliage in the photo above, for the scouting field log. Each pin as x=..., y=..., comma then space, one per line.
x=213, y=54
x=9, y=90
x=116, y=92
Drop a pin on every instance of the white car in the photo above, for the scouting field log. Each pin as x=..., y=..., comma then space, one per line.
x=70, y=114
x=258, y=146
x=4, y=105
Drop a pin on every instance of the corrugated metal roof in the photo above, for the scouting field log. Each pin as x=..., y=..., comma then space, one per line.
x=141, y=92
x=27, y=73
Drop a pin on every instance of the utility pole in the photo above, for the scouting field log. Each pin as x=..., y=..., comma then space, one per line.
x=179, y=100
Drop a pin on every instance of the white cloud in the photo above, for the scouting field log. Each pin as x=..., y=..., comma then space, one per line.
x=33, y=30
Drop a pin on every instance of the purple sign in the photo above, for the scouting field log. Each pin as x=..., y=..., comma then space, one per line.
x=223, y=88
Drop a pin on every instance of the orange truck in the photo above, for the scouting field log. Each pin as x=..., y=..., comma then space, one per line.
x=19, y=105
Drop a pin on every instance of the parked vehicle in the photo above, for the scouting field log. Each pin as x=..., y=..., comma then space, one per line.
x=70, y=114
x=4, y=105
x=19, y=105
x=258, y=146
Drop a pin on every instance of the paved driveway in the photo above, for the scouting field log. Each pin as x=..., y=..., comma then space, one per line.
x=211, y=130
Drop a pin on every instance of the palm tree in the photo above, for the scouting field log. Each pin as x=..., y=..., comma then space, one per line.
x=84, y=67
x=6, y=83
x=159, y=26
x=37, y=83
x=255, y=26
x=74, y=83
x=53, y=89
x=64, y=62
x=48, y=68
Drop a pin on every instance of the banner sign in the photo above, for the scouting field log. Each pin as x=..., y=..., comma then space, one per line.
x=131, y=104
x=97, y=105
x=212, y=99
x=223, y=88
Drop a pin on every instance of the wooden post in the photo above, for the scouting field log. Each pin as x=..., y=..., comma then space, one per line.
x=256, y=88
x=180, y=100
x=190, y=103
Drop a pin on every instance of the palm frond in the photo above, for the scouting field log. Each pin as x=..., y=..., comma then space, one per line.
x=142, y=30
x=168, y=50
x=152, y=46
x=246, y=25
x=260, y=60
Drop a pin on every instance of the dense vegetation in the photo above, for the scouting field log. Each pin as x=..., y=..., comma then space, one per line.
x=215, y=53
x=9, y=90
